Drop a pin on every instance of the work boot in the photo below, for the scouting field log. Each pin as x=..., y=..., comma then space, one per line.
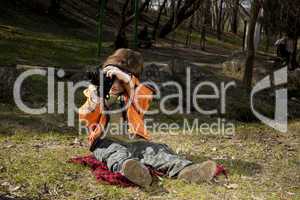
x=137, y=173
x=197, y=173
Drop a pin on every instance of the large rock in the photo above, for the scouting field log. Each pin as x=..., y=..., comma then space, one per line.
x=156, y=72
x=175, y=71
x=162, y=72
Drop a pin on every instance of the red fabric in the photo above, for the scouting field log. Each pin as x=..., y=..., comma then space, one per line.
x=221, y=170
x=101, y=172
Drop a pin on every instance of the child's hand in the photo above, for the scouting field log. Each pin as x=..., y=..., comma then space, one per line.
x=91, y=139
x=111, y=71
x=94, y=133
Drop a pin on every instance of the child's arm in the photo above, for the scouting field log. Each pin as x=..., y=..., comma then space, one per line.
x=92, y=114
x=142, y=98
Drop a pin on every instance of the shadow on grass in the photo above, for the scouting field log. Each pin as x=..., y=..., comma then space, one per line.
x=5, y=197
x=37, y=124
x=236, y=166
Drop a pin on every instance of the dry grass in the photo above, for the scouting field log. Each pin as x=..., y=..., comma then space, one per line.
x=262, y=164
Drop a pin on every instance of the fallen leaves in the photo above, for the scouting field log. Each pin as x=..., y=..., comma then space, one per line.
x=10, y=187
x=256, y=198
x=290, y=193
x=231, y=186
x=14, y=188
x=77, y=143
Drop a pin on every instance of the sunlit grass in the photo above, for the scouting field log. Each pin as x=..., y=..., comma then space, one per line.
x=259, y=165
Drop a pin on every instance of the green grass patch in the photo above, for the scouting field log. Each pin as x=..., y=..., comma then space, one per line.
x=20, y=45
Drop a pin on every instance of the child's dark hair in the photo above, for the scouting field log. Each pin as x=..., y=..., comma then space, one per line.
x=128, y=60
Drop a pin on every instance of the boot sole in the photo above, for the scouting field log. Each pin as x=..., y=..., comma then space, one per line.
x=203, y=172
x=137, y=173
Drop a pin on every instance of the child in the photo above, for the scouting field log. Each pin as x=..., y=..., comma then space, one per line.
x=130, y=156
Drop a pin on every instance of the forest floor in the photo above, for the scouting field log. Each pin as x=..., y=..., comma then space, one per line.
x=34, y=149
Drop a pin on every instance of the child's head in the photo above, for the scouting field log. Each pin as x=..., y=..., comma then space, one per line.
x=128, y=61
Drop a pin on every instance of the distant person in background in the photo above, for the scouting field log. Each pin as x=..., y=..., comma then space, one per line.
x=121, y=41
x=144, y=34
x=144, y=38
x=284, y=49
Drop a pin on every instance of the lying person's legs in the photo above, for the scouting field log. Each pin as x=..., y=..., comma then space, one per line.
x=162, y=158
x=130, y=160
x=114, y=155
x=119, y=159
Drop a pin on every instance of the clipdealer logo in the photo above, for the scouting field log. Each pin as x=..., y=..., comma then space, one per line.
x=280, y=122
x=279, y=78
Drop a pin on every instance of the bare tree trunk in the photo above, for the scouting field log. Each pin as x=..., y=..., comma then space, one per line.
x=167, y=27
x=215, y=14
x=245, y=34
x=268, y=39
x=156, y=25
x=188, y=42
x=148, y=6
x=294, y=55
x=188, y=9
x=121, y=40
x=234, y=22
x=125, y=21
x=226, y=17
x=206, y=16
x=219, y=28
x=248, y=74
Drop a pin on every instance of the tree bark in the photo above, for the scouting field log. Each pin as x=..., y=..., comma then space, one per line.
x=125, y=21
x=205, y=23
x=268, y=39
x=121, y=39
x=188, y=42
x=245, y=34
x=294, y=55
x=248, y=74
x=188, y=9
x=156, y=25
x=215, y=14
x=220, y=18
x=234, y=22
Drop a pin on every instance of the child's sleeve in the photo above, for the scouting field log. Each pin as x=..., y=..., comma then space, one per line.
x=142, y=98
x=92, y=116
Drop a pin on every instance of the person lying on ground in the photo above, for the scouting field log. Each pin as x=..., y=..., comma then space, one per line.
x=130, y=152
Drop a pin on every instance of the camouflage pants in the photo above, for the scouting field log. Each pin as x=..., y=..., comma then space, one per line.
x=159, y=156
